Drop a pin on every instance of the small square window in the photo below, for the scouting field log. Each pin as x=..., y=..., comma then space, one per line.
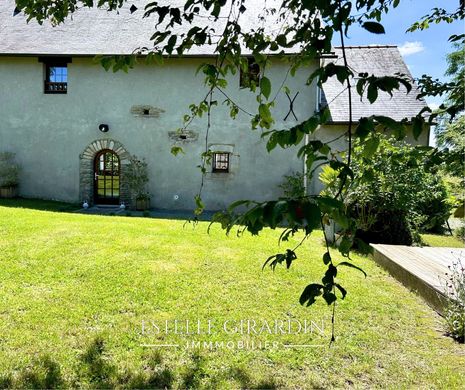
x=56, y=78
x=220, y=162
x=252, y=76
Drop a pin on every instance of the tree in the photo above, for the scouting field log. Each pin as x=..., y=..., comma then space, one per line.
x=309, y=25
x=450, y=132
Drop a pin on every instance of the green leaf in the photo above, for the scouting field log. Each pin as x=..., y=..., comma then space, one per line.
x=272, y=142
x=372, y=93
x=238, y=203
x=290, y=257
x=329, y=297
x=341, y=289
x=310, y=125
x=347, y=264
x=199, y=205
x=281, y=40
x=279, y=209
x=175, y=150
x=365, y=126
x=265, y=86
x=417, y=127
x=327, y=204
x=340, y=218
x=327, y=258
x=374, y=27
x=279, y=258
x=171, y=42
x=330, y=274
x=310, y=293
x=312, y=214
x=371, y=146
x=345, y=245
x=265, y=115
x=391, y=124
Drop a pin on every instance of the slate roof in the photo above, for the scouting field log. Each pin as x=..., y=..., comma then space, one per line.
x=380, y=61
x=91, y=31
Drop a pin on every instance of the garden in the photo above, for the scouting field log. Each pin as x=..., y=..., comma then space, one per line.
x=82, y=296
x=106, y=301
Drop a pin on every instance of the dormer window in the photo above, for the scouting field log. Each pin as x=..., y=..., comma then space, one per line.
x=56, y=75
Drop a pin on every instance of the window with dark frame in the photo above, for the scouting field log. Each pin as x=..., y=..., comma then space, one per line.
x=56, y=74
x=220, y=162
x=251, y=76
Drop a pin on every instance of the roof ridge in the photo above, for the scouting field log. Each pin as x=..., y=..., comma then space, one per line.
x=367, y=47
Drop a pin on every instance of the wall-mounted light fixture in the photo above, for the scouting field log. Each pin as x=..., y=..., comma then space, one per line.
x=103, y=127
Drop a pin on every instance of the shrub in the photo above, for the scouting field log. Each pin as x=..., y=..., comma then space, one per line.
x=389, y=227
x=454, y=314
x=293, y=185
x=137, y=178
x=460, y=233
x=9, y=170
x=392, y=195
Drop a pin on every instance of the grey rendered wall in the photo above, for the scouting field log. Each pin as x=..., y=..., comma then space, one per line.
x=49, y=132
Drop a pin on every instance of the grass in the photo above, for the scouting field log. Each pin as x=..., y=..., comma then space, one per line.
x=75, y=290
x=442, y=240
x=39, y=204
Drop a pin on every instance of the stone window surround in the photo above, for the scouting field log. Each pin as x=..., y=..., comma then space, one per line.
x=86, y=169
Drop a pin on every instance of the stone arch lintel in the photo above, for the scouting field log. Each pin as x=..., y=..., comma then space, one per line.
x=104, y=144
x=86, y=174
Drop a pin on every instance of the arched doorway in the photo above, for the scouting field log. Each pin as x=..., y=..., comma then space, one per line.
x=87, y=161
x=107, y=177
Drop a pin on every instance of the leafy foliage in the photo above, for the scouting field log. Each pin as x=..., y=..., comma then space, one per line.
x=136, y=174
x=9, y=170
x=393, y=194
x=460, y=233
x=450, y=131
x=293, y=185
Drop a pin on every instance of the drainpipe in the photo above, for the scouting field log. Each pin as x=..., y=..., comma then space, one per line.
x=307, y=138
x=305, y=166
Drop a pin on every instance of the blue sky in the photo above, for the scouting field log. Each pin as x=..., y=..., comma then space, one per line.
x=423, y=51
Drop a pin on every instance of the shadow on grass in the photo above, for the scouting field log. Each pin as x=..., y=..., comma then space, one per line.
x=95, y=369
x=38, y=204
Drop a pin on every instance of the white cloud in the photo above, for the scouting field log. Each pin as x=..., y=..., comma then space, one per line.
x=409, y=48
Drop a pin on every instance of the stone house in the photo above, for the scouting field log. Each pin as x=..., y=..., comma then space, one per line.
x=73, y=125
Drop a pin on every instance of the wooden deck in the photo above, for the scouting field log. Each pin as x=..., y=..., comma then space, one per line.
x=421, y=269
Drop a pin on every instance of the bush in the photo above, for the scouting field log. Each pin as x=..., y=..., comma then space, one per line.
x=293, y=185
x=392, y=195
x=460, y=233
x=9, y=170
x=454, y=314
x=389, y=227
x=137, y=178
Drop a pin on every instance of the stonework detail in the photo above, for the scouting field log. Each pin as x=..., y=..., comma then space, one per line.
x=86, y=169
x=146, y=111
x=183, y=136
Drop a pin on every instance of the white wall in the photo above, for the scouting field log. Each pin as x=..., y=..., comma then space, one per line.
x=48, y=132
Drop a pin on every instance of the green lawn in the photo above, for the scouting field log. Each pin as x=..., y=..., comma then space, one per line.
x=441, y=240
x=75, y=290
